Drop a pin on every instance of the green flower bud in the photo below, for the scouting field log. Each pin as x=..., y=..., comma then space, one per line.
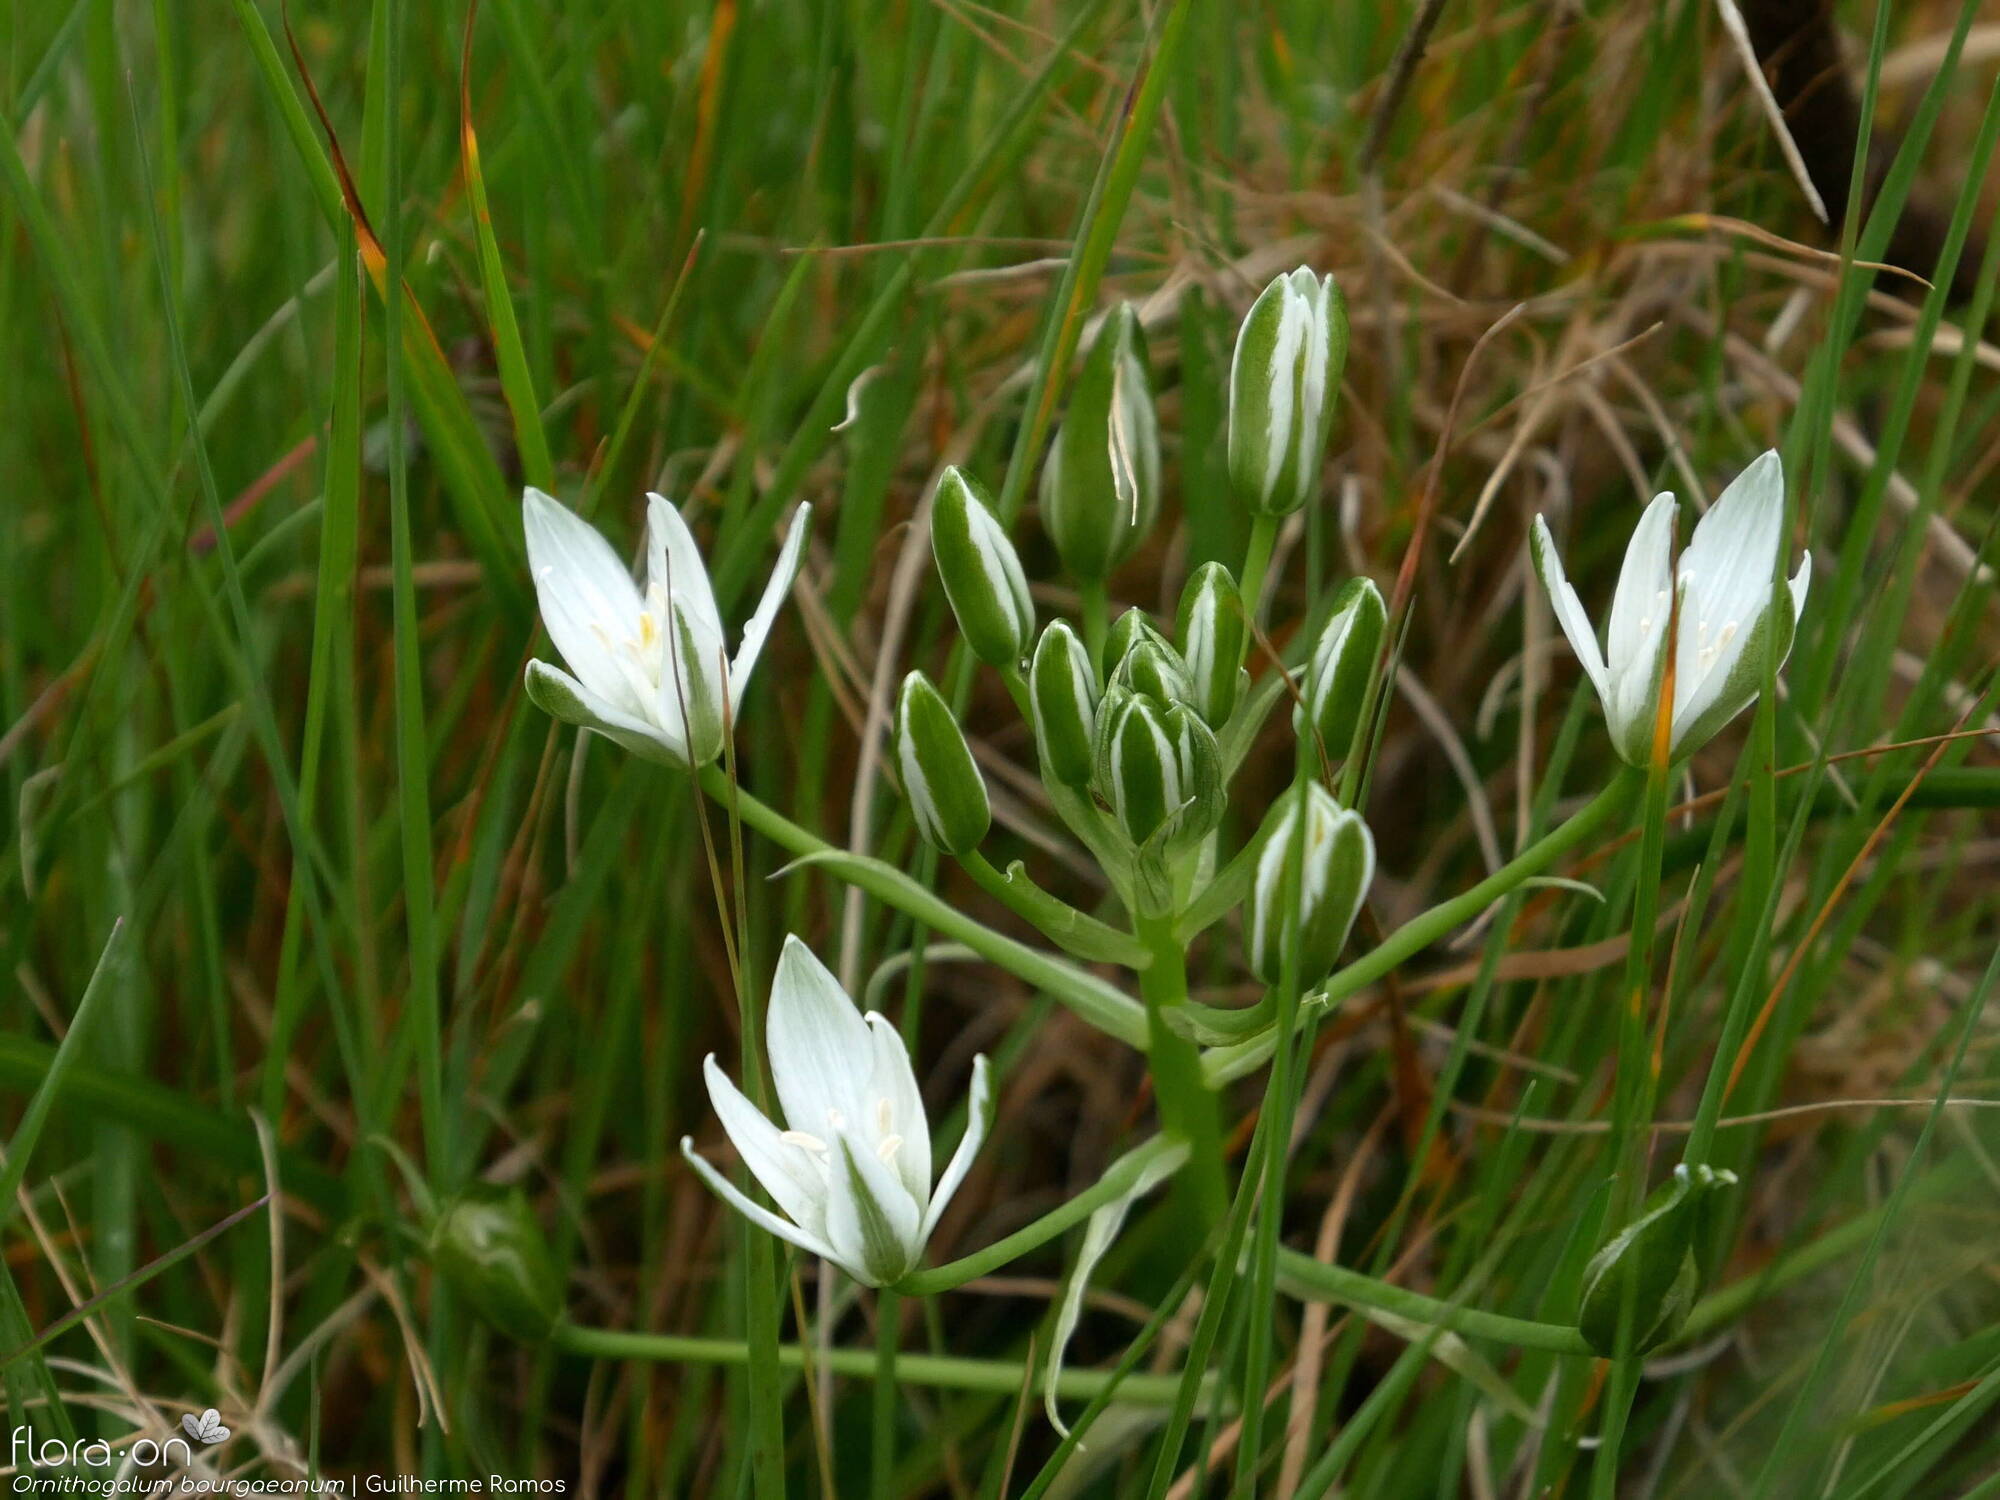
x=981, y=574
x=1158, y=768
x=1343, y=660
x=1213, y=630
x=1062, y=688
x=1199, y=759
x=489, y=1247
x=1155, y=669
x=1647, y=1276
x=942, y=783
x=1126, y=632
x=1101, y=484
x=1335, y=869
x=1282, y=384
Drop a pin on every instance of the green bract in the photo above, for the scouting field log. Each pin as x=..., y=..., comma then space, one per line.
x=1282, y=384
x=981, y=574
x=1343, y=660
x=489, y=1247
x=1646, y=1278
x=1062, y=690
x=946, y=793
x=1335, y=867
x=1101, y=484
x=1213, y=630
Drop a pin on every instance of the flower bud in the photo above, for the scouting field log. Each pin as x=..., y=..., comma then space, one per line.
x=1153, y=668
x=1199, y=759
x=1335, y=869
x=1213, y=631
x=1282, y=385
x=942, y=783
x=1062, y=689
x=1645, y=1280
x=981, y=574
x=1101, y=484
x=1126, y=632
x=1343, y=660
x=1158, y=768
x=489, y=1247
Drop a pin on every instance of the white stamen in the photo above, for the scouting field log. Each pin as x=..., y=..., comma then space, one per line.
x=891, y=1144
x=801, y=1139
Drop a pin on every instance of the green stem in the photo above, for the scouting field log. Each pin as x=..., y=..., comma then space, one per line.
x=1270, y=1169
x=882, y=1440
x=1257, y=563
x=996, y=1377
x=1073, y=931
x=1315, y=1281
x=1117, y=1181
x=1223, y=1064
x=1096, y=620
x=1188, y=1106
x=1103, y=1005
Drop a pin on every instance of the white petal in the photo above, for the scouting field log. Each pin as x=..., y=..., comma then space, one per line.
x=674, y=564
x=870, y=1219
x=587, y=598
x=694, y=675
x=978, y=1120
x=561, y=696
x=1641, y=613
x=1732, y=685
x=767, y=607
x=795, y=1184
x=894, y=1080
x=1730, y=558
x=821, y=1050
x=1569, y=609
x=1641, y=604
x=755, y=1212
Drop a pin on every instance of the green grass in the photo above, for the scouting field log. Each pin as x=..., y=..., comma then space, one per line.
x=383, y=929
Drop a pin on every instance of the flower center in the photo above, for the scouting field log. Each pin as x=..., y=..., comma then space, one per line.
x=888, y=1140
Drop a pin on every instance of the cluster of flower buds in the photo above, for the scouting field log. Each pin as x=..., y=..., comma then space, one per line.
x=1146, y=747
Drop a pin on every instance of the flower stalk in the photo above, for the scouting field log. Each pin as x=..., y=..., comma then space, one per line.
x=1186, y=1100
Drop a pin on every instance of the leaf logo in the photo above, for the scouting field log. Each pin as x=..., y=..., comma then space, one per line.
x=206, y=1428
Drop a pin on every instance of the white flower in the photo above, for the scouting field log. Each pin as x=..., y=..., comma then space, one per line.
x=852, y=1169
x=1726, y=604
x=649, y=669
